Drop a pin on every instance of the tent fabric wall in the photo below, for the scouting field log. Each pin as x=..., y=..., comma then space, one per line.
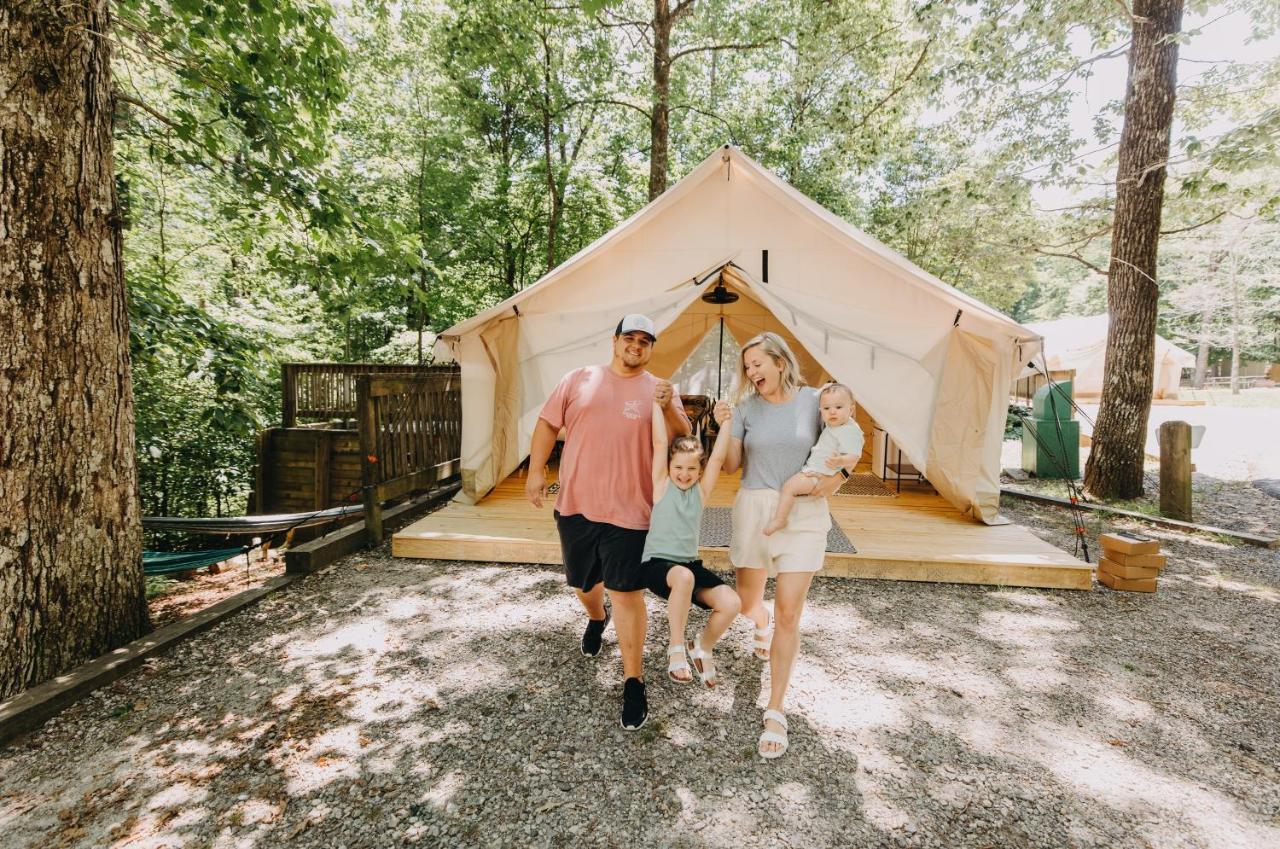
x=848, y=306
x=1080, y=344
x=964, y=446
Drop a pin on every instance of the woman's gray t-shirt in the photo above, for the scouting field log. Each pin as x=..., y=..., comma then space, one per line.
x=776, y=438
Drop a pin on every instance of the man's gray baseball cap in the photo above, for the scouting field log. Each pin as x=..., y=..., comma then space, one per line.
x=636, y=323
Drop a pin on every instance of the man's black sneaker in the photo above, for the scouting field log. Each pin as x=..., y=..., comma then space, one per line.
x=591, y=636
x=635, y=707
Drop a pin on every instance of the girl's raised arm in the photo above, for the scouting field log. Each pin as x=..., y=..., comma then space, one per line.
x=659, y=450
x=718, y=453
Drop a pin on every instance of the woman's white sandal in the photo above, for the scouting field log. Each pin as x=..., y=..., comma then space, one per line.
x=704, y=663
x=677, y=661
x=762, y=638
x=773, y=736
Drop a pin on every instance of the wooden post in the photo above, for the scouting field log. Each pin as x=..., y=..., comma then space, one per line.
x=1175, y=470
x=261, y=475
x=289, y=394
x=323, y=451
x=370, y=471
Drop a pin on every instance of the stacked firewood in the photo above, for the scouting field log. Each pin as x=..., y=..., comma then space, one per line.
x=1129, y=562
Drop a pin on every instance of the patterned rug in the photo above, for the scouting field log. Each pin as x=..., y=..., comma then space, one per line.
x=865, y=484
x=717, y=530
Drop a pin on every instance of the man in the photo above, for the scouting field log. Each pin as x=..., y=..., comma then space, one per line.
x=606, y=490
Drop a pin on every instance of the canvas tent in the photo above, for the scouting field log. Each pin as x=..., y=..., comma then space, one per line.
x=929, y=363
x=1080, y=344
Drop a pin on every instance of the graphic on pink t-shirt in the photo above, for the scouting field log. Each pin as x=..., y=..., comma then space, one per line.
x=606, y=465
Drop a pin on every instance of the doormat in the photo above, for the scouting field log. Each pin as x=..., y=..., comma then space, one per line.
x=865, y=484
x=717, y=531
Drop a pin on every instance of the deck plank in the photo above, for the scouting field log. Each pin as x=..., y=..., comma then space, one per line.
x=915, y=536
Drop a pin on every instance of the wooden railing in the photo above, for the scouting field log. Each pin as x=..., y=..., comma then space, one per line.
x=410, y=436
x=328, y=390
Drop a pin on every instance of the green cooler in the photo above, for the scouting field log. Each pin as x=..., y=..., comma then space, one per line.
x=1056, y=453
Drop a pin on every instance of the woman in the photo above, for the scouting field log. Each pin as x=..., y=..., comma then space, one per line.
x=774, y=426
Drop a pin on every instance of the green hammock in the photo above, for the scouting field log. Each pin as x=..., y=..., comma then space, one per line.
x=162, y=563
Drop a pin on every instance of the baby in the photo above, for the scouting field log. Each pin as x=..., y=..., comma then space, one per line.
x=840, y=436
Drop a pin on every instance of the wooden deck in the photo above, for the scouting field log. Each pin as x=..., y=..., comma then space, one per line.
x=916, y=536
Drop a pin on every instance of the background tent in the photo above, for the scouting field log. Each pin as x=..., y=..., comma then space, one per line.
x=929, y=363
x=1081, y=344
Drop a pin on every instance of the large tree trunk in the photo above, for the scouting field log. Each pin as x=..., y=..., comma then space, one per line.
x=660, y=113
x=1114, y=469
x=71, y=582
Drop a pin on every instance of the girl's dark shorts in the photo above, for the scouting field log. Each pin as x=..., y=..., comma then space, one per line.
x=655, y=578
x=597, y=551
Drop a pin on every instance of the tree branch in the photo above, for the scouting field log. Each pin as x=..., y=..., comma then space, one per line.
x=1073, y=255
x=898, y=88
x=1193, y=226
x=715, y=47
x=681, y=9
x=607, y=100
x=163, y=119
x=1065, y=76
x=733, y=137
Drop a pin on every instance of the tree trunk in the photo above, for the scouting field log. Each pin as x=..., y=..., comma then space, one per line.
x=1235, y=327
x=1206, y=323
x=420, y=308
x=1115, y=464
x=71, y=584
x=553, y=196
x=660, y=114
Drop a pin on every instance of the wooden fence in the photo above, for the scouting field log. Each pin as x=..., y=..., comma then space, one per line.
x=328, y=390
x=1024, y=389
x=306, y=468
x=410, y=436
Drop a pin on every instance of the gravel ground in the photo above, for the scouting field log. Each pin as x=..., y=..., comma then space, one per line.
x=391, y=702
x=1251, y=506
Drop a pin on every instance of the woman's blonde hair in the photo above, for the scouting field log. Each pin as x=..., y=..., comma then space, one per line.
x=777, y=349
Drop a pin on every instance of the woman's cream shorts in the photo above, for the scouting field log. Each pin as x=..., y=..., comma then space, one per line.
x=799, y=547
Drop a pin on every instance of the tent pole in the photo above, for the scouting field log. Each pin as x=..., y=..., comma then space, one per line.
x=720, y=355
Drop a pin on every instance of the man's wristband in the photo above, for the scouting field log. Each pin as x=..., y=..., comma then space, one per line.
x=845, y=472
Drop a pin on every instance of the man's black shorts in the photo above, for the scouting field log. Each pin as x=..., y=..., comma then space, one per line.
x=597, y=551
x=655, y=578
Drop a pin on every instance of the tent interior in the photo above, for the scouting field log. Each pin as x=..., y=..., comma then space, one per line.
x=698, y=350
x=904, y=531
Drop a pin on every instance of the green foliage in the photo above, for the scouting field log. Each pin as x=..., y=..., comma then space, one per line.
x=252, y=88
x=303, y=180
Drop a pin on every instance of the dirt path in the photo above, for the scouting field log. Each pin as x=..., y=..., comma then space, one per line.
x=393, y=701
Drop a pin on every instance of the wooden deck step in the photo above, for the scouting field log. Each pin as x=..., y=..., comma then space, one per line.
x=915, y=536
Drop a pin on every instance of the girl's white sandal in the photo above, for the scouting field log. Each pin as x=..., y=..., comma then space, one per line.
x=773, y=736
x=677, y=661
x=704, y=663
x=762, y=638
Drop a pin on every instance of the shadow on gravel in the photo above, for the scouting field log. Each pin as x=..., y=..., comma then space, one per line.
x=442, y=704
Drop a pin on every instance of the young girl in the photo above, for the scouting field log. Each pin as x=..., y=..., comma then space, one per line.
x=841, y=435
x=670, y=561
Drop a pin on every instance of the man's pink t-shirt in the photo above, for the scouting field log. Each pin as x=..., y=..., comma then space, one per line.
x=606, y=466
